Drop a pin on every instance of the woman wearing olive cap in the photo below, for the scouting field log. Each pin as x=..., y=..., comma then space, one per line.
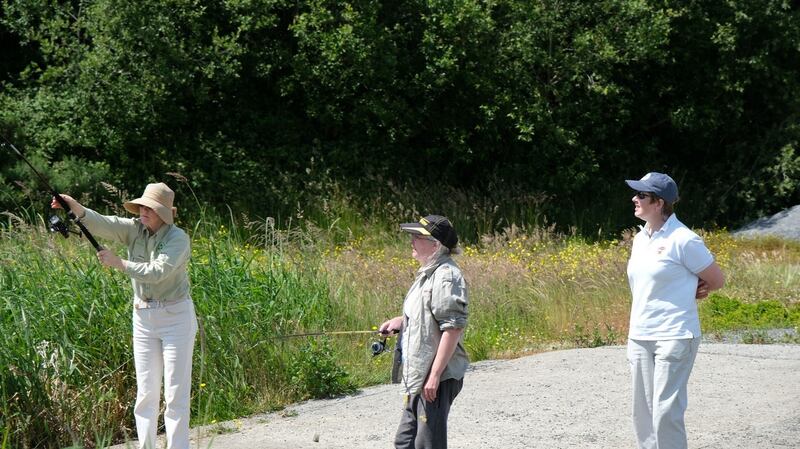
x=434, y=317
x=164, y=322
x=669, y=268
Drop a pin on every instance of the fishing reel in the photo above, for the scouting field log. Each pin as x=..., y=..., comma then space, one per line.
x=379, y=346
x=58, y=225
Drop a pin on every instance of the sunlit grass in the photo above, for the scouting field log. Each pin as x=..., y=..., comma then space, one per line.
x=65, y=321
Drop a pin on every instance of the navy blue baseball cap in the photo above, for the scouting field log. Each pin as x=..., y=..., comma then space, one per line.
x=658, y=183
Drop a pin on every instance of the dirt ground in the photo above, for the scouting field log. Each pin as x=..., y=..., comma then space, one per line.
x=740, y=397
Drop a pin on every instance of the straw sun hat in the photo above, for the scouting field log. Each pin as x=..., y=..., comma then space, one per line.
x=158, y=197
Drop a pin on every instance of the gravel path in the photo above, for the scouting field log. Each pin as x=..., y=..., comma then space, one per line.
x=740, y=397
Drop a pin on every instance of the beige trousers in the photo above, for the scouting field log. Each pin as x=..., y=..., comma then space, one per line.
x=163, y=342
x=660, y=372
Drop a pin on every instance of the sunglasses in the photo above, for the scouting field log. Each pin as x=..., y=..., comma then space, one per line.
x=643, y=195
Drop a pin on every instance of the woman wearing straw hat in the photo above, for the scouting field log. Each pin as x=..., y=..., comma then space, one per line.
x=164, y=321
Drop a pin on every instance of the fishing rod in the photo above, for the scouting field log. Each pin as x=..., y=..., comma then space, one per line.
x=377, y=346
x=56, y=225
x=318, y=334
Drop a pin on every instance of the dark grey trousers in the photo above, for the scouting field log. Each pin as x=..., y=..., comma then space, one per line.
x=424, y=424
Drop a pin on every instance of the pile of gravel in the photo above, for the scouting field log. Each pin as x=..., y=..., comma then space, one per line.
x=784, y=224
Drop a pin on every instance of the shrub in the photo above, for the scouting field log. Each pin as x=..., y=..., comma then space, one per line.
x=315, y=373
x=723, y=313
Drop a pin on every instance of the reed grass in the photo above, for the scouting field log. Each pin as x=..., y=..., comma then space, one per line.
x=65, y=337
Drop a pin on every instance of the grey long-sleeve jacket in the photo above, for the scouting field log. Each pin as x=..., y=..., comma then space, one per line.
x=437, y=301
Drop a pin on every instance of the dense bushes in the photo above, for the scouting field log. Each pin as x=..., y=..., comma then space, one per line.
x=559, y=99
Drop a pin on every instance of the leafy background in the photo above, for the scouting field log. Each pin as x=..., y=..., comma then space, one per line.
x=554, y=101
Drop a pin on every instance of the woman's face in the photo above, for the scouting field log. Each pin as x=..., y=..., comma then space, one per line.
x=646, y=207
x=150, y=218
x=422, y=247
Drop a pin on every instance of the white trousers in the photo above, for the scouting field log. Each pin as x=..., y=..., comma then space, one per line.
x=660, y=371
x=163, y=342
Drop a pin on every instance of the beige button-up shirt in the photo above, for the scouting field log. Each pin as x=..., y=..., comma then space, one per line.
x=157, y=263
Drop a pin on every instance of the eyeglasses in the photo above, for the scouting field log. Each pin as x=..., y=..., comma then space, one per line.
x=422, y=237
x=643, y=195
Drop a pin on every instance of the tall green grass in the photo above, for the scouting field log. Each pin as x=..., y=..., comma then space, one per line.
x=65, y=332
x=65, y=336
x=64, y=344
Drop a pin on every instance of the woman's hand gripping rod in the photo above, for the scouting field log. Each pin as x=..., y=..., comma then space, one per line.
x=57, y=197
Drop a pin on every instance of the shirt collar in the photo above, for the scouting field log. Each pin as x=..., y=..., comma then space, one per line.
x=162, y=231
x=670, y=223
x=430, y=267
x=664, y=228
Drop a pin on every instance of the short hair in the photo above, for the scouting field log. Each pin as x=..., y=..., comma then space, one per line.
x=668, y=208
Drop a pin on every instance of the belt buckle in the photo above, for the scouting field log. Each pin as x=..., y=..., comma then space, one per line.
x=144, y=303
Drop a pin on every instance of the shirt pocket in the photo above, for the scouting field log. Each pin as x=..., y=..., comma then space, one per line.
x=138, y=251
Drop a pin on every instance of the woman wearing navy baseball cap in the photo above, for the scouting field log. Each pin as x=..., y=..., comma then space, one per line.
x=669, y=269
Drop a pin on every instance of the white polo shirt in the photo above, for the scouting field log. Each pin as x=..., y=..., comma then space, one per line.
x=662, y=273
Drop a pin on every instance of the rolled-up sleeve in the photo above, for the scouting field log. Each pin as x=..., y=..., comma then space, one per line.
x=449, y=299
x=172, y=256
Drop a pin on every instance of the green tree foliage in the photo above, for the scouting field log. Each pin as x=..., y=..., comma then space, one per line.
x=561, y=98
